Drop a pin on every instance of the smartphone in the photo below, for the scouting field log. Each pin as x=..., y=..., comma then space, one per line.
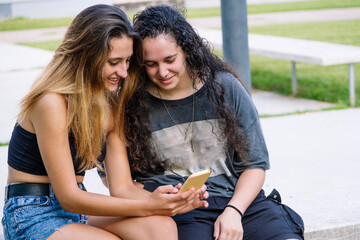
x=196, y=180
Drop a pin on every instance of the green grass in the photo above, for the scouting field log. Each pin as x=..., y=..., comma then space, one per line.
x=47, y=45
x=3, y=144
x=343, y=32
x=306, y=5
x=279, y=7
x=25, y=23
x=203, y=12
x=328, y=83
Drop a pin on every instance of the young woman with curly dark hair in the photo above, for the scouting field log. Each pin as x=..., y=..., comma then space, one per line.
x=190, y=113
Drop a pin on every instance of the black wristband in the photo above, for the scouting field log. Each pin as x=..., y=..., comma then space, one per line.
x=235, y=209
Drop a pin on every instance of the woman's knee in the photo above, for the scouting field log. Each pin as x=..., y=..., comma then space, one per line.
x=81, y=231
x=142, y=228
x=164, y=227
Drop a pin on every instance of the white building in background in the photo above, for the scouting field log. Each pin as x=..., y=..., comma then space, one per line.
x=44, y=8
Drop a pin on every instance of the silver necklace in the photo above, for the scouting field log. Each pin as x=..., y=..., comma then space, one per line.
x=177, y=126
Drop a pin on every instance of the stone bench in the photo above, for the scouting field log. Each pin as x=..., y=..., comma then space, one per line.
x=297, y=50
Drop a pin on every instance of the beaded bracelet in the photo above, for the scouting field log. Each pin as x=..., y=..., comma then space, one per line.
x=235, y=209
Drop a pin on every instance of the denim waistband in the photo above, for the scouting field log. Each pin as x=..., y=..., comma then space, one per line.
x=31, y=189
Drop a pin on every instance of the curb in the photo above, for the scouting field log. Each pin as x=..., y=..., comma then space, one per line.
x=351, y=232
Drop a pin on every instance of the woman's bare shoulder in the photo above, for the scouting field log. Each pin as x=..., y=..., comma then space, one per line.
x=50, y=107
x=50, y=100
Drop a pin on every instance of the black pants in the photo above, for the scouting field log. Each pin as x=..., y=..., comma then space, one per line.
x=265, y=219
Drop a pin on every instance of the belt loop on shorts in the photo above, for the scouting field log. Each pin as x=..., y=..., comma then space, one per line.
x=51, y=191
x=6, y=193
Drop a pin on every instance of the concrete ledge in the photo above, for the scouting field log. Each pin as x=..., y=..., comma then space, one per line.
x=344, y=233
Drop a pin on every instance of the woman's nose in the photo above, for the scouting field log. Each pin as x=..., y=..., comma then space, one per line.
x=122, y=70
x=163, y=71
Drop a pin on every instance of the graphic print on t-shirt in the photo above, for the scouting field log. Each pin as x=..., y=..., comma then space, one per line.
x=171, y=144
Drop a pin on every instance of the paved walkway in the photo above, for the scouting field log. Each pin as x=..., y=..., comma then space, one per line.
x=285, y=17
x=314, y=156
x=216, y=3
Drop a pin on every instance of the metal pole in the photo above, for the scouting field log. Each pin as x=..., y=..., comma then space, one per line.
x=352, y=85
x=235, y=38
x=293, y=78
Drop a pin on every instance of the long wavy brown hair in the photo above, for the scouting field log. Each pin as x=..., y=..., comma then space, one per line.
x=75, y=71
x=202, y=63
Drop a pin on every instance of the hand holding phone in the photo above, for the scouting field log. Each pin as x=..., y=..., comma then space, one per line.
x=196, y=180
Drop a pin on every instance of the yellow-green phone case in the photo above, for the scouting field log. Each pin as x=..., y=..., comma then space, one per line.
x=196, y=180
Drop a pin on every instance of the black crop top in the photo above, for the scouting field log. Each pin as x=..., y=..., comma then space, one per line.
x=24, y=154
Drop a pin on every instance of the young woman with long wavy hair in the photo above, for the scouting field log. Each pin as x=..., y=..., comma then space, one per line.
x=71, y=116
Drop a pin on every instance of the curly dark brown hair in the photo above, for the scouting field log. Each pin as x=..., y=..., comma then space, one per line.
x=203, y=64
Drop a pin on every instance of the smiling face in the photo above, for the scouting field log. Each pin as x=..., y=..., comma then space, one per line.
x=117, y=63
x=165, y=66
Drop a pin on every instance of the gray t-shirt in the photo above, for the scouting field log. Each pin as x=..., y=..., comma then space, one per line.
x=193, y=142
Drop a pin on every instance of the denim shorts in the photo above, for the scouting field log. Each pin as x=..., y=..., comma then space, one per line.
x=266, y=219
x=35, y=217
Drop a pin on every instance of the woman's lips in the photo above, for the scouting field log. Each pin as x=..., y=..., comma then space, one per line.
x=114, y=80
x=165, y=80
